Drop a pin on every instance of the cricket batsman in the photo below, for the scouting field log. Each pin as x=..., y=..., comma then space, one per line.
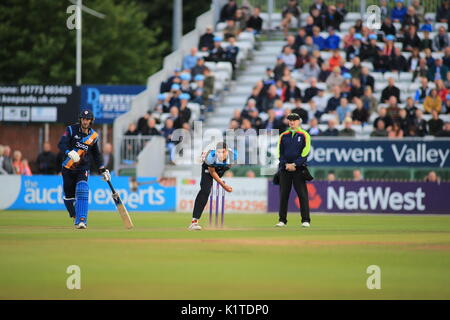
x=80, y=144
x=217, y=162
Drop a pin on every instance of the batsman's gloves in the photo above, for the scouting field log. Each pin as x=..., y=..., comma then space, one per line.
x=106, y=176
x=74, y=156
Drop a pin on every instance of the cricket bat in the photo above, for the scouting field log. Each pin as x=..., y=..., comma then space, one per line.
x=121, y=208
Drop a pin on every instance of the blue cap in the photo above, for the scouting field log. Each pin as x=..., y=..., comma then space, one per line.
x=217, y=38
x=162, y=96
x=373, y=36
x=448, y=97
x=358, y=36
x=177, y=70
x=390, y=37
x=399, y=1
x=347, y=75
x=175, y=87
x=184, y=96
x=426, y=27
x=185, y=76
x=199, y=77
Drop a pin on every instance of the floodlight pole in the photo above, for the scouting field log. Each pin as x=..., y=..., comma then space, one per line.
x=177, y=24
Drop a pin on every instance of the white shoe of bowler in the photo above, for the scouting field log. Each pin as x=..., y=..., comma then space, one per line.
x=195, y=226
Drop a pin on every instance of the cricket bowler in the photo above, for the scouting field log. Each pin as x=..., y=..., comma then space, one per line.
x=79, y=142
x=217, y=162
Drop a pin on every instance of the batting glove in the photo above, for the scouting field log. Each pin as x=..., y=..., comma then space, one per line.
x=106, y=176
x=74, y=156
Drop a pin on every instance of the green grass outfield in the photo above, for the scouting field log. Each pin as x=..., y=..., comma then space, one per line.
x=249, y=259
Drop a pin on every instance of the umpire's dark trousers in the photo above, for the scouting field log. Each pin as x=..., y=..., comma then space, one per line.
x=287, y=179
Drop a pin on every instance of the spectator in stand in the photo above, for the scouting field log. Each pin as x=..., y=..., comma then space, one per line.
x=388, y=27
x=303, y=114
x=26, y=168
x=334, y=101
x=396, y=131
x=445, y=132
x=335, y=59
x=310, y=70
x=272, y=122
x=190, y=60
x=241, y=20
x=343, y=110
x=299, y=39
x=429, y=58
x=349, y=37
x=446, y=107
x=318, y=18
x=438, y=71
x=332, y=41
x=17, y=163
x=357, y=91
x=292, y=10
x=398, y=13
x=331, y=130
x=278, y=71
x=269, y=98
x=291, y=92
x=318, y=40
x=380, y=130
x=255, y=22
x=324, y=72
x=357, y=175
x=421, y=70
x=356, y=68
x=333, y=18
x=390, y=90
x=150, y=128
x=143, y=121
x=355, y=50
x=423, y=91
x=393, y=109
x=419, y=126
x=321, y=102
x=2, y=171
x=410, y=108
x=340, y=8
x=347, y=131
x=446, y=57
x=331, y=176
x=441, y=40
x=108, y=157
x=206, y=41
x=370, y=103
x=442, y=91
x=432, y=177
x=174, y=94
x=167, y=132
x=346, y=85
x=255, y=120
x=46, y=160
x=7, y=161
x=435, y=124
x=411, y=39
x=413, y=60
x=419, y=9
x=279, y=109
x=174, y=114
x=309, y=45
x=432, y=102
x=309, y=26
x=312, y=106
x=217, y=53
x=426, y=42
x=443, y=12
x=289, y=58
x=366, y=79
x=360, y=115
x=335, y=78
x=199, y=67
x=314, y=129
x=384, y=9
x=398, y=62
x=311, y=91
x=411, y=19
x=383, y=116
x=231, y=53
x=231, y=29
x=228, y=11
x=404, y=122
x=370, y=51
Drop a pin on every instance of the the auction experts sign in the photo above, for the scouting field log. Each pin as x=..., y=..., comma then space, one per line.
x=46, y=193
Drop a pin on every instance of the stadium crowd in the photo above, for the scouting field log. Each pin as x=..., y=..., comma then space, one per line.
x=393, y=82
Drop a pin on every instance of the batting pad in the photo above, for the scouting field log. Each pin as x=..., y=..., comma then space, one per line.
x=81, y=203
x=69, y=203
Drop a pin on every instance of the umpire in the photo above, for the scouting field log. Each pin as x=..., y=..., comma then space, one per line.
x=293, y=146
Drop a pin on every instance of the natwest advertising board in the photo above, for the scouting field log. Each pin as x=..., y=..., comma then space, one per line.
x=369, y=197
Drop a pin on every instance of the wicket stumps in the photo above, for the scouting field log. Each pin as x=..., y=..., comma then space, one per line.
x=216, y=188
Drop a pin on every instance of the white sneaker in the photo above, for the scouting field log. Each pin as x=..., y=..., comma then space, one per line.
x=81, y=225
x=195, y=226
x=280, y=224
x=306, y=225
